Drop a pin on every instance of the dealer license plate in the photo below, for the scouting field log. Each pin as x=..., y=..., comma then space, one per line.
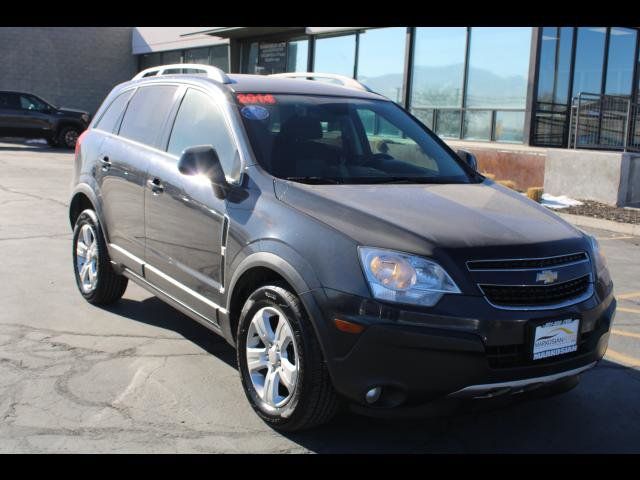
x=556, y=338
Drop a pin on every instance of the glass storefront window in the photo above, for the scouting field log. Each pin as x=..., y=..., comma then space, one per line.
x=250, y=58
x=587, y=76
x=509, y=127
x=438, y=67
x=220, y=57
x=335, y=55
x=171, y=57
x=547, y=69
x=297, y=55
x=563, y=75
x=425, y=115
x=622, y=48
x=197, y=55
x=448, y=123
x=498, y=67
x=477, y=125
x=381, y=60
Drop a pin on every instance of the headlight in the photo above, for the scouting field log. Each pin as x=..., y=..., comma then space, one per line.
x=403, y=278
x=85, y=118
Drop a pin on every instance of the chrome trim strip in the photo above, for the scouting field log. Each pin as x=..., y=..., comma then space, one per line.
x=169, y=279
x=126, y=253
x=525, y=259
x=171, y=300
x=186, y=289
x=484, y=391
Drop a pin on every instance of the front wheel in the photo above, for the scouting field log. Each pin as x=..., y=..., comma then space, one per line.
x=281, y=365
x=68, y=136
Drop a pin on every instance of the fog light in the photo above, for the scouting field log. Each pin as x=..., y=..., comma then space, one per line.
x=373, y=395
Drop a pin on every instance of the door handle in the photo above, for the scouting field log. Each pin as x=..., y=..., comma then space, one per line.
x=106, y=163
x=155, y=185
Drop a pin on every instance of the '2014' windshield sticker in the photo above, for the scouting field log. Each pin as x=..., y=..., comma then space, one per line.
x=255, y=112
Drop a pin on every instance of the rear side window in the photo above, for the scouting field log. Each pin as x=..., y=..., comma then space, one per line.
x=9, y=101
x=111, y=117
x=147, y=112
x=200, y=122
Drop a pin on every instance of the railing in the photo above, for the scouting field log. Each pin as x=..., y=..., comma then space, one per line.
x=483, y=124
x=607, y=122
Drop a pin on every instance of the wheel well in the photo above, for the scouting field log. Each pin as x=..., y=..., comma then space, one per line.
x=248, y=282
x=67, y=123
x=79, y=203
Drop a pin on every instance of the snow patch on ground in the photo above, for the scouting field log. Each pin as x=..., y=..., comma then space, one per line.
x=559, y=202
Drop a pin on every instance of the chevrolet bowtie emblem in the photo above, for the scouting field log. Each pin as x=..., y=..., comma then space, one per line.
x=547, y=277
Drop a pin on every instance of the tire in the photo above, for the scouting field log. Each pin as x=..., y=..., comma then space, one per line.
x=67, y=137
x=313, y=400
x=99, y=284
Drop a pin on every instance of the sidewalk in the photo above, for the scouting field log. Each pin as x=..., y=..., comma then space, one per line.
x=600, y=223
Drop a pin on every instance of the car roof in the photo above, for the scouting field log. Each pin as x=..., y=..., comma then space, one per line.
x=242, y=83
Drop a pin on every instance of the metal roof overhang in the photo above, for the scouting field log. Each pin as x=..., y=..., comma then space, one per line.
x=244, y=32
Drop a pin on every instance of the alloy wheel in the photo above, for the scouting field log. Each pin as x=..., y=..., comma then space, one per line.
x=87, y=258
x=272, y=357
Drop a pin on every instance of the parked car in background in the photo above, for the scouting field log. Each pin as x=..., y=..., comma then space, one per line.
x=342, y=247
x=24, y=115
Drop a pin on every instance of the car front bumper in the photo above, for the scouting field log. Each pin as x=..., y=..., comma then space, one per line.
x=419, y=359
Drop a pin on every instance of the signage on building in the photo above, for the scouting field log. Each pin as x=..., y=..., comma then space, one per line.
x=272, y=57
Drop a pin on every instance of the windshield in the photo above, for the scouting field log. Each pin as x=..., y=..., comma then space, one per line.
x=314, y=139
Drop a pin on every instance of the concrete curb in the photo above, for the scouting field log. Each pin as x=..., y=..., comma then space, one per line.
x=582, y=221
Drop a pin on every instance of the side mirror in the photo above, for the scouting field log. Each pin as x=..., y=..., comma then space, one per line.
x=469, y=158
x=203, y=160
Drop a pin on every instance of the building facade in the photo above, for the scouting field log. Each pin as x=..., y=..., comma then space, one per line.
x=489, y=84
x=72, y=67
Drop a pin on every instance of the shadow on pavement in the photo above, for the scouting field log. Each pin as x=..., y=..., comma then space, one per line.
x=599, y=415
x=154, y=311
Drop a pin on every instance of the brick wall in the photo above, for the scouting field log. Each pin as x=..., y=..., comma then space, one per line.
x=72, y=67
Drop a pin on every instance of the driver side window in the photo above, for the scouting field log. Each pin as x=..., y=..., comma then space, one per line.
x=31, y=103
x=385, y=138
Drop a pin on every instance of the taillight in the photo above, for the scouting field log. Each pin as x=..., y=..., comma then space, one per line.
x=79, y=141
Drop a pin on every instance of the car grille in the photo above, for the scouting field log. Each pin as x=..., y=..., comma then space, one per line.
x=535, y=295
x=527, y=263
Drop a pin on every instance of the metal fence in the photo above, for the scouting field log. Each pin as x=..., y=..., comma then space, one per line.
x=607, y=122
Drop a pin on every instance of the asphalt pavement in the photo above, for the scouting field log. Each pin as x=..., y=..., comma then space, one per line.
x=141, y=377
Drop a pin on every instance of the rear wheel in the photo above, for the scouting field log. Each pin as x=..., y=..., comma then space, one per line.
x=281, y=366
x=98, y=283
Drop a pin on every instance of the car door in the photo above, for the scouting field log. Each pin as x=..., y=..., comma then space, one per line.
x=184, y=221
x=10, y=115
x=35, y=121
x=123, y=163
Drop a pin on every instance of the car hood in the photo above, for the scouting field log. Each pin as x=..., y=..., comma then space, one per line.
x=428, y=219
x=72, y=111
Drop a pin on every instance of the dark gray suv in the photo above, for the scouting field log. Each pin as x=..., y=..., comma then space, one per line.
x=347, y=253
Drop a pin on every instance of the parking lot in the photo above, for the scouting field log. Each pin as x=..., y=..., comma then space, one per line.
x=142, y=377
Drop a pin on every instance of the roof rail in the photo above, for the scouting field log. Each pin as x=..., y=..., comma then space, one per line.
x=345, y=81
x=210, y=71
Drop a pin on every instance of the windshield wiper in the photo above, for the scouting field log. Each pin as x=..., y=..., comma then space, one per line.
x=314, y=180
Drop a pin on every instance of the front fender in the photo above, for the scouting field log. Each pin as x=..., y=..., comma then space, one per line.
x=297, y=271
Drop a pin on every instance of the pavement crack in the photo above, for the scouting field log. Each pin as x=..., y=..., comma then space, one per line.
x=32, y=195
